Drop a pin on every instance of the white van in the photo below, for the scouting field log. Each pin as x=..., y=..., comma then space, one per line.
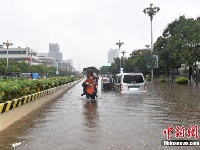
x=129, y=83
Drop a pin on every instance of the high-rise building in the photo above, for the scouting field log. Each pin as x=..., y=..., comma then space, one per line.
x=116, y=53
x=112, y=54
x=54, y=48
x=54, y=52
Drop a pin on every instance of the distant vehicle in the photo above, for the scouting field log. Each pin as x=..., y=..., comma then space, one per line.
x=33, y=76
x=106, y=82
x=12, y=74
x=2, y=77
x=130, y=83
x=25, y=75
x=109, y=74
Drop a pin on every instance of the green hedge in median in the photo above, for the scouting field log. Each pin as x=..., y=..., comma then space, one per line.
x=11, y=89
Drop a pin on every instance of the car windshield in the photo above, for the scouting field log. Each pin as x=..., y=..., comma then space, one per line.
x=133, y=79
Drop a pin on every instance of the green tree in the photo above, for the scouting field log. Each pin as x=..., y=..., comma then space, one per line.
x=104, y=70
x=172, y=47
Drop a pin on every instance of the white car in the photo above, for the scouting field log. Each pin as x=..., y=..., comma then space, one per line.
x=130, y=83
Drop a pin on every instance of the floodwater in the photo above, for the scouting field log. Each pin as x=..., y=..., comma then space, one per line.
x=112, y=122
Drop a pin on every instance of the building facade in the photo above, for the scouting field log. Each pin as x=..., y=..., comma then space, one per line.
x=45, y=60
x=19, y=54
x=70, y=61
x=54, y=48
x=54, y=52
x=112, y=54
x=116, y=53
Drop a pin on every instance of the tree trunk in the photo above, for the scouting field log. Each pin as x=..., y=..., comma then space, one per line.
x=190, y=72
x=168, y=72
x=177, y=71
x=172, y=75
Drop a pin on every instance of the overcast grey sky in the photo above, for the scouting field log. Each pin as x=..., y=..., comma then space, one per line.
x=87, y=29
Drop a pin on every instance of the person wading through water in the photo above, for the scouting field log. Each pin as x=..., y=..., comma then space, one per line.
x=89, y=80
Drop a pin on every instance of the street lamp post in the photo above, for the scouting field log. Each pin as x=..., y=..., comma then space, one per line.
x=119, y=44
x=68, y=65
x=123, y=52
x=147, y=46
x=147, y=59
x=57, y=68
x=151, y=11
x=7, y=45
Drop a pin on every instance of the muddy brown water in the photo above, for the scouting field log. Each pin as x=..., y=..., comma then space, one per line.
x=113, y=121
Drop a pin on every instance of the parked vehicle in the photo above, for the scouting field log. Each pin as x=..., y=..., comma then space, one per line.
x=2, y=76
x=129, y=83
x=12, y=75
x=106, y=83
x=33, y=76
x=25, y=75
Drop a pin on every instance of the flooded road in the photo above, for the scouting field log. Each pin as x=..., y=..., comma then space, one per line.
x=112, y=122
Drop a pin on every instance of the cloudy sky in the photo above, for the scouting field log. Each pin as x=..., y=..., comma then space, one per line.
x=87, y=29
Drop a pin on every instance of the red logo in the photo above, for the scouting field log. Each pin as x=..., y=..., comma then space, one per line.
x=180, y=132
x=168, y=131
x=192, y=131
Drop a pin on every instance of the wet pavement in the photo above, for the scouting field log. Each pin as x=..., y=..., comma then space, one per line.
x=112, y=122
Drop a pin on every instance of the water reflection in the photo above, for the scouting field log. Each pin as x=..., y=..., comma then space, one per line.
x=15, y=132
x=177, y=104
x=91, y=113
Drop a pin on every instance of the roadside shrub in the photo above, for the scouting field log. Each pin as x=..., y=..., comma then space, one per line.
x=148, y=78
x=162, y=80
x=182, y=80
